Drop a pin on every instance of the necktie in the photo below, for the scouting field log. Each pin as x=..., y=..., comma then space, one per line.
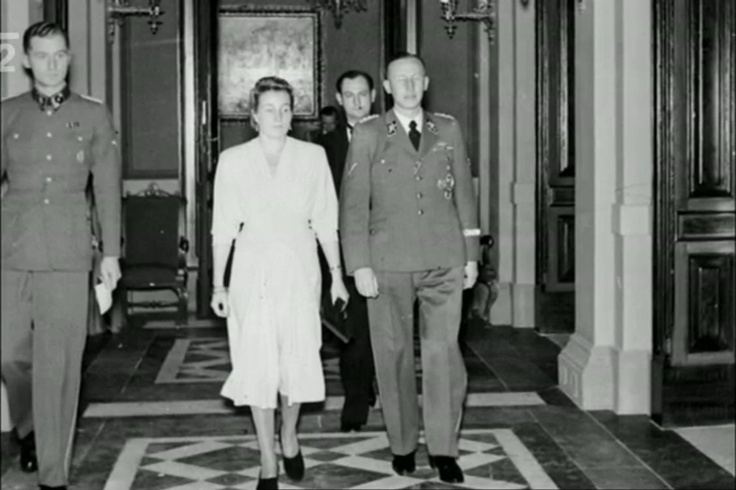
x=350, y=132
x=414, y=135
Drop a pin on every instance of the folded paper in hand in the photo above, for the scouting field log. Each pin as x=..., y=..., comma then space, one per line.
x=104, y=297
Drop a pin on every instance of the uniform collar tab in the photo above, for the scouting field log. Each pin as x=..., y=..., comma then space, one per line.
x=51, y=102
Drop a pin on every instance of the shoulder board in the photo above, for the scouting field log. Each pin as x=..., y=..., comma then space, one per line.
x=367, y=118
x=91, y=99
x=446, y=116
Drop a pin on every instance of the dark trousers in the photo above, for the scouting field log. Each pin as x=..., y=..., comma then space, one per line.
x=44, y=328
x=356, y=361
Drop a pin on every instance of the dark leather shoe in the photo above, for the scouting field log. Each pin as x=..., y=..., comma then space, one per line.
x=46, y=487
x=268, y=483
x=28, y=461
x=294, y=467
x=350, y=426
x=403, y=464
x=447, y=466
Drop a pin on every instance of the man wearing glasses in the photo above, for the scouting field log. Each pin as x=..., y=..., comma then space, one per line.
x=53, y=141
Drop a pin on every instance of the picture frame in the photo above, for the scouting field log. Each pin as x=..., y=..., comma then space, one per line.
x=256, y=43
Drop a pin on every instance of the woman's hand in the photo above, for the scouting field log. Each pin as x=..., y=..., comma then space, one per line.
x=220, y=303
x=338, y=289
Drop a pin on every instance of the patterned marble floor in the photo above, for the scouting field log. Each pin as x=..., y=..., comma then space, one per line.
x=160, y=425
x=489, y=458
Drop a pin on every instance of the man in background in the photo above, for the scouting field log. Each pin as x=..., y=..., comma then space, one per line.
x=329, y=119
x=53, y=141
x=355, y=94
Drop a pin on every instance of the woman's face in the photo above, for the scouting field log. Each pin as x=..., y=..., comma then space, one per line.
x=274, y=113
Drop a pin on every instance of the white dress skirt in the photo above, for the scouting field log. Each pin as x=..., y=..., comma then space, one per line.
x=274, y=326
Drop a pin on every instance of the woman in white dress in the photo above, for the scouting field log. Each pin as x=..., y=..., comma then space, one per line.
x=274, y=195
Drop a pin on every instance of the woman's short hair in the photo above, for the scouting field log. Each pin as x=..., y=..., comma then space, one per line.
x=268, y=84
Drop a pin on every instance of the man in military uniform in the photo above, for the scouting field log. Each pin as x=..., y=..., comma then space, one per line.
x=355, y=94
x=409, y=231
x=53, y=140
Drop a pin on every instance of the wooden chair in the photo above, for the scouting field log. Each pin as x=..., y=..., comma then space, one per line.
x=154, y=253
x=485, y=291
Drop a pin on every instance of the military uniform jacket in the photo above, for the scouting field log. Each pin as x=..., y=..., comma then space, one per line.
x=405, y=210
x=336, y=145
x=47, y=158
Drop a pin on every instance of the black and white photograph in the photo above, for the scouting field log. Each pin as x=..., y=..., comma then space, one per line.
x=367, y=244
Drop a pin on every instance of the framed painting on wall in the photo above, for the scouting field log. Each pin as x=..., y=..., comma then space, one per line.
x=257, y=43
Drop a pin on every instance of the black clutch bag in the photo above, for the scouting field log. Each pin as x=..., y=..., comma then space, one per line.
x=334, y=318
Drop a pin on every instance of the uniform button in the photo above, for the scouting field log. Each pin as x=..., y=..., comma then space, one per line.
x=419, y=195
x=418, y=178
x=420, y=212
x=48, y=157
x=46, y=201
x=49, y=135
x=49, y=179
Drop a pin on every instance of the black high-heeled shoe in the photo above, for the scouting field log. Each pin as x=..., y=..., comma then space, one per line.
x=294, y=467
x=268, y=483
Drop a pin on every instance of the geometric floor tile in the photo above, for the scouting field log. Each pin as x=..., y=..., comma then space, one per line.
x=196, y=360
x=218, y=406
x=492, y=458
x=207, y=360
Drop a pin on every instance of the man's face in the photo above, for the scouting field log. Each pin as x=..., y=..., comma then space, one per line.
x=48, y=59
x=329, y=123
x=406, y=81
x=356, y=97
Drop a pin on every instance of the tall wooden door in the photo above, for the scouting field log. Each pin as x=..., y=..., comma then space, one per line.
x=555, y=125
x=695, y=267
x=205, y=28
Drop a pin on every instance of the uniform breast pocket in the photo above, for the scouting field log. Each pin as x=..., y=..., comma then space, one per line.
x=20, y=148
x=79, y=143
x=383, y=169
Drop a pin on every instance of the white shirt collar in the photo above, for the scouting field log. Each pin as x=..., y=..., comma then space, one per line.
x=419, y=119
x=349, y=128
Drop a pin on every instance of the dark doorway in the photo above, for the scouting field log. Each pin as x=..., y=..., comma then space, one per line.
x=555, y=121
x=207, y=131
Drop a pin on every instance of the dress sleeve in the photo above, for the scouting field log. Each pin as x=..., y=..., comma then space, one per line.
x=324, y=210
x=225, y=209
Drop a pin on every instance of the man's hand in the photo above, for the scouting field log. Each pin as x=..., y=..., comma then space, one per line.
x=110, y=272
x=471, y=274
x=366, y=282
